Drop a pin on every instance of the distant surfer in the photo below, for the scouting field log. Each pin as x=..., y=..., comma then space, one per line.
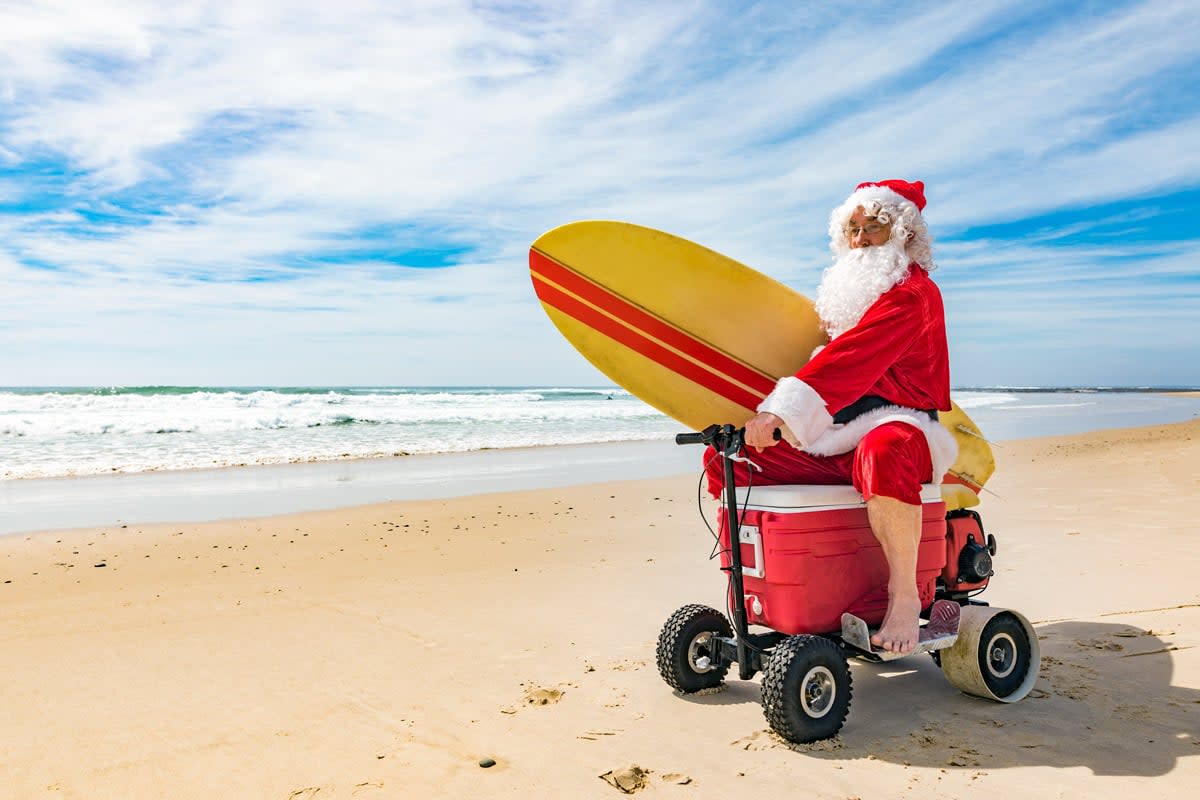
x=863, y=410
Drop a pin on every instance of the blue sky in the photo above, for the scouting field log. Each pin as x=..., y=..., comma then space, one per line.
x=344, y=193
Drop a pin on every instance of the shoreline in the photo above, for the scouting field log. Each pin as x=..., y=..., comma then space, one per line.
x=319, y=460
x=265, y=490
x=356, y=459
x=1001, y=421
x=257, y=491
x=385, y=650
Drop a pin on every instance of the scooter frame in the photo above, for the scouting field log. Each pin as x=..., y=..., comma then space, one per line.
x=990, y=653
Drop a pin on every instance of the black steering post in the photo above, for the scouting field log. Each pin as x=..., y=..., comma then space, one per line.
x=732, y=444
x=727, y=441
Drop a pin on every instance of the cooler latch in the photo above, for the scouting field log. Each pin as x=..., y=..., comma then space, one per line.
x=750, y=535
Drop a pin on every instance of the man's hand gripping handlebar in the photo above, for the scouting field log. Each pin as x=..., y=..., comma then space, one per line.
x=725, y=439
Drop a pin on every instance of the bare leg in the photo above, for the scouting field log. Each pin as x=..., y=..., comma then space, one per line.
x=897, y=526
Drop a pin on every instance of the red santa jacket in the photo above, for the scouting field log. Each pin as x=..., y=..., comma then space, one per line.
x=896, y=351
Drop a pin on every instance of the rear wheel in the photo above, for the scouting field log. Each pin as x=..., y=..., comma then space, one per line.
x=996, y=656
x=688, y=655
x=806, y=688
x=1004, y=654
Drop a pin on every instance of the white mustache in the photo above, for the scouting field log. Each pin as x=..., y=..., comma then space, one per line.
x=855, y=281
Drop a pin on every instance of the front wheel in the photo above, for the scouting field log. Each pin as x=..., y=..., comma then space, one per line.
x=688, y=654
x=806, y=689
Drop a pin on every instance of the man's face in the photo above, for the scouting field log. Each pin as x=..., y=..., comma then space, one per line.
x=864, y=231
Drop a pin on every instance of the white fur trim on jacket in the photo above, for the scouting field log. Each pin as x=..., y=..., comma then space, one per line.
x=844, y=438
x=801, y=409
x=806, y=421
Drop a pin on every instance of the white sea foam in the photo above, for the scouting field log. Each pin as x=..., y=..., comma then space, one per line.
x=1037, y=406
x=51, y=416
x=48, y=433
x=52, y=433
x=972, y=400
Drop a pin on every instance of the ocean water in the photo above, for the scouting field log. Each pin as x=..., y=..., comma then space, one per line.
x=63, y=432
x=60, y=432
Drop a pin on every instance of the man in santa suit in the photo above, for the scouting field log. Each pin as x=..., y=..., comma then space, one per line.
x=864, y=409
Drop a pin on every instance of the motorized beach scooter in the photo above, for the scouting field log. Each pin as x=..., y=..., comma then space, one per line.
x=807, y=569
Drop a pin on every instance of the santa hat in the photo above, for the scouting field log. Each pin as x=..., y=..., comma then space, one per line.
x=881, y=190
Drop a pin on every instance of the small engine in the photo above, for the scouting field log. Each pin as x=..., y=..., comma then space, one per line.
x=968, y=552
x=975, y=560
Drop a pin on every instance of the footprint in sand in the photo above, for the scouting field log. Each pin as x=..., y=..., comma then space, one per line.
x=627, y=779
x=634, y=778
x=542, y=696
x=535, y=696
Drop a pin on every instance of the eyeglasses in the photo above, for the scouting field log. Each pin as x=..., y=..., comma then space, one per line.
x=871, y=229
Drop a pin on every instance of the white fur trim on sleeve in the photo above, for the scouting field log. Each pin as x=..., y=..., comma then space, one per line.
x=801, y=409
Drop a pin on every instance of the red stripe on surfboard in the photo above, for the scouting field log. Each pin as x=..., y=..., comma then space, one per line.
x=618, y=306
x=641, y=344
x=950, y=477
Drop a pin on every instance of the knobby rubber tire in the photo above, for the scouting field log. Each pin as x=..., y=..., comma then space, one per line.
x=794, y=660
x=681, y=639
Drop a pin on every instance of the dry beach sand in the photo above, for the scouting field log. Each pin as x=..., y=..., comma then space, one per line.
x=385, y=651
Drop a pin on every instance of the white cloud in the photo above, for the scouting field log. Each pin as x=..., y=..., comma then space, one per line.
x=262, y=135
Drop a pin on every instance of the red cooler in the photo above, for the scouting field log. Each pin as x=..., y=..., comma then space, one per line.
x=808, y=555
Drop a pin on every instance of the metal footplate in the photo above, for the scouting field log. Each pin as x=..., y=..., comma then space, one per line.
x=939, y=633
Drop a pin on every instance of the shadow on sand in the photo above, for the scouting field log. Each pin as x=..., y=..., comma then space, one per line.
x=1104, y=700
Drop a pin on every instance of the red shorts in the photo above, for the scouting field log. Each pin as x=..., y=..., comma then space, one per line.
x=891, y=460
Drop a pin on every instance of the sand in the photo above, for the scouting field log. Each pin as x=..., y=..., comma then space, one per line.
x=394, y=650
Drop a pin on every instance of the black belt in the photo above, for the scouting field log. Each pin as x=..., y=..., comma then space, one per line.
x=871, y=402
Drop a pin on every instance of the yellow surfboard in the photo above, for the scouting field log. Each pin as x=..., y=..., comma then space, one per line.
x=694, y=333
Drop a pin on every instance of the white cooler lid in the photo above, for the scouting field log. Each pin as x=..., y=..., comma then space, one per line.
x=807, y=496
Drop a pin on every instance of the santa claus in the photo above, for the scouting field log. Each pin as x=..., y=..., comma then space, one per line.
x=863, y=410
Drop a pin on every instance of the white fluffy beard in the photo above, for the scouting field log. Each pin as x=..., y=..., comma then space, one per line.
x=855, y=281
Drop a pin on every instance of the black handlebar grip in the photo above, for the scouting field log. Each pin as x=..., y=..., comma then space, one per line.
x=689, y=438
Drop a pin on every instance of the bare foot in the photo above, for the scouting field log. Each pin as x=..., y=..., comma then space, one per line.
x=901, y=625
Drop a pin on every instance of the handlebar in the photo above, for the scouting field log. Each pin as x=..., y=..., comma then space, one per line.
x=713, y=433
x=691, y=438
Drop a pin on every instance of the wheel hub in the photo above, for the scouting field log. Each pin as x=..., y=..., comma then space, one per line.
x=817, y=691
x=700, y=653
x=1001, y=655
